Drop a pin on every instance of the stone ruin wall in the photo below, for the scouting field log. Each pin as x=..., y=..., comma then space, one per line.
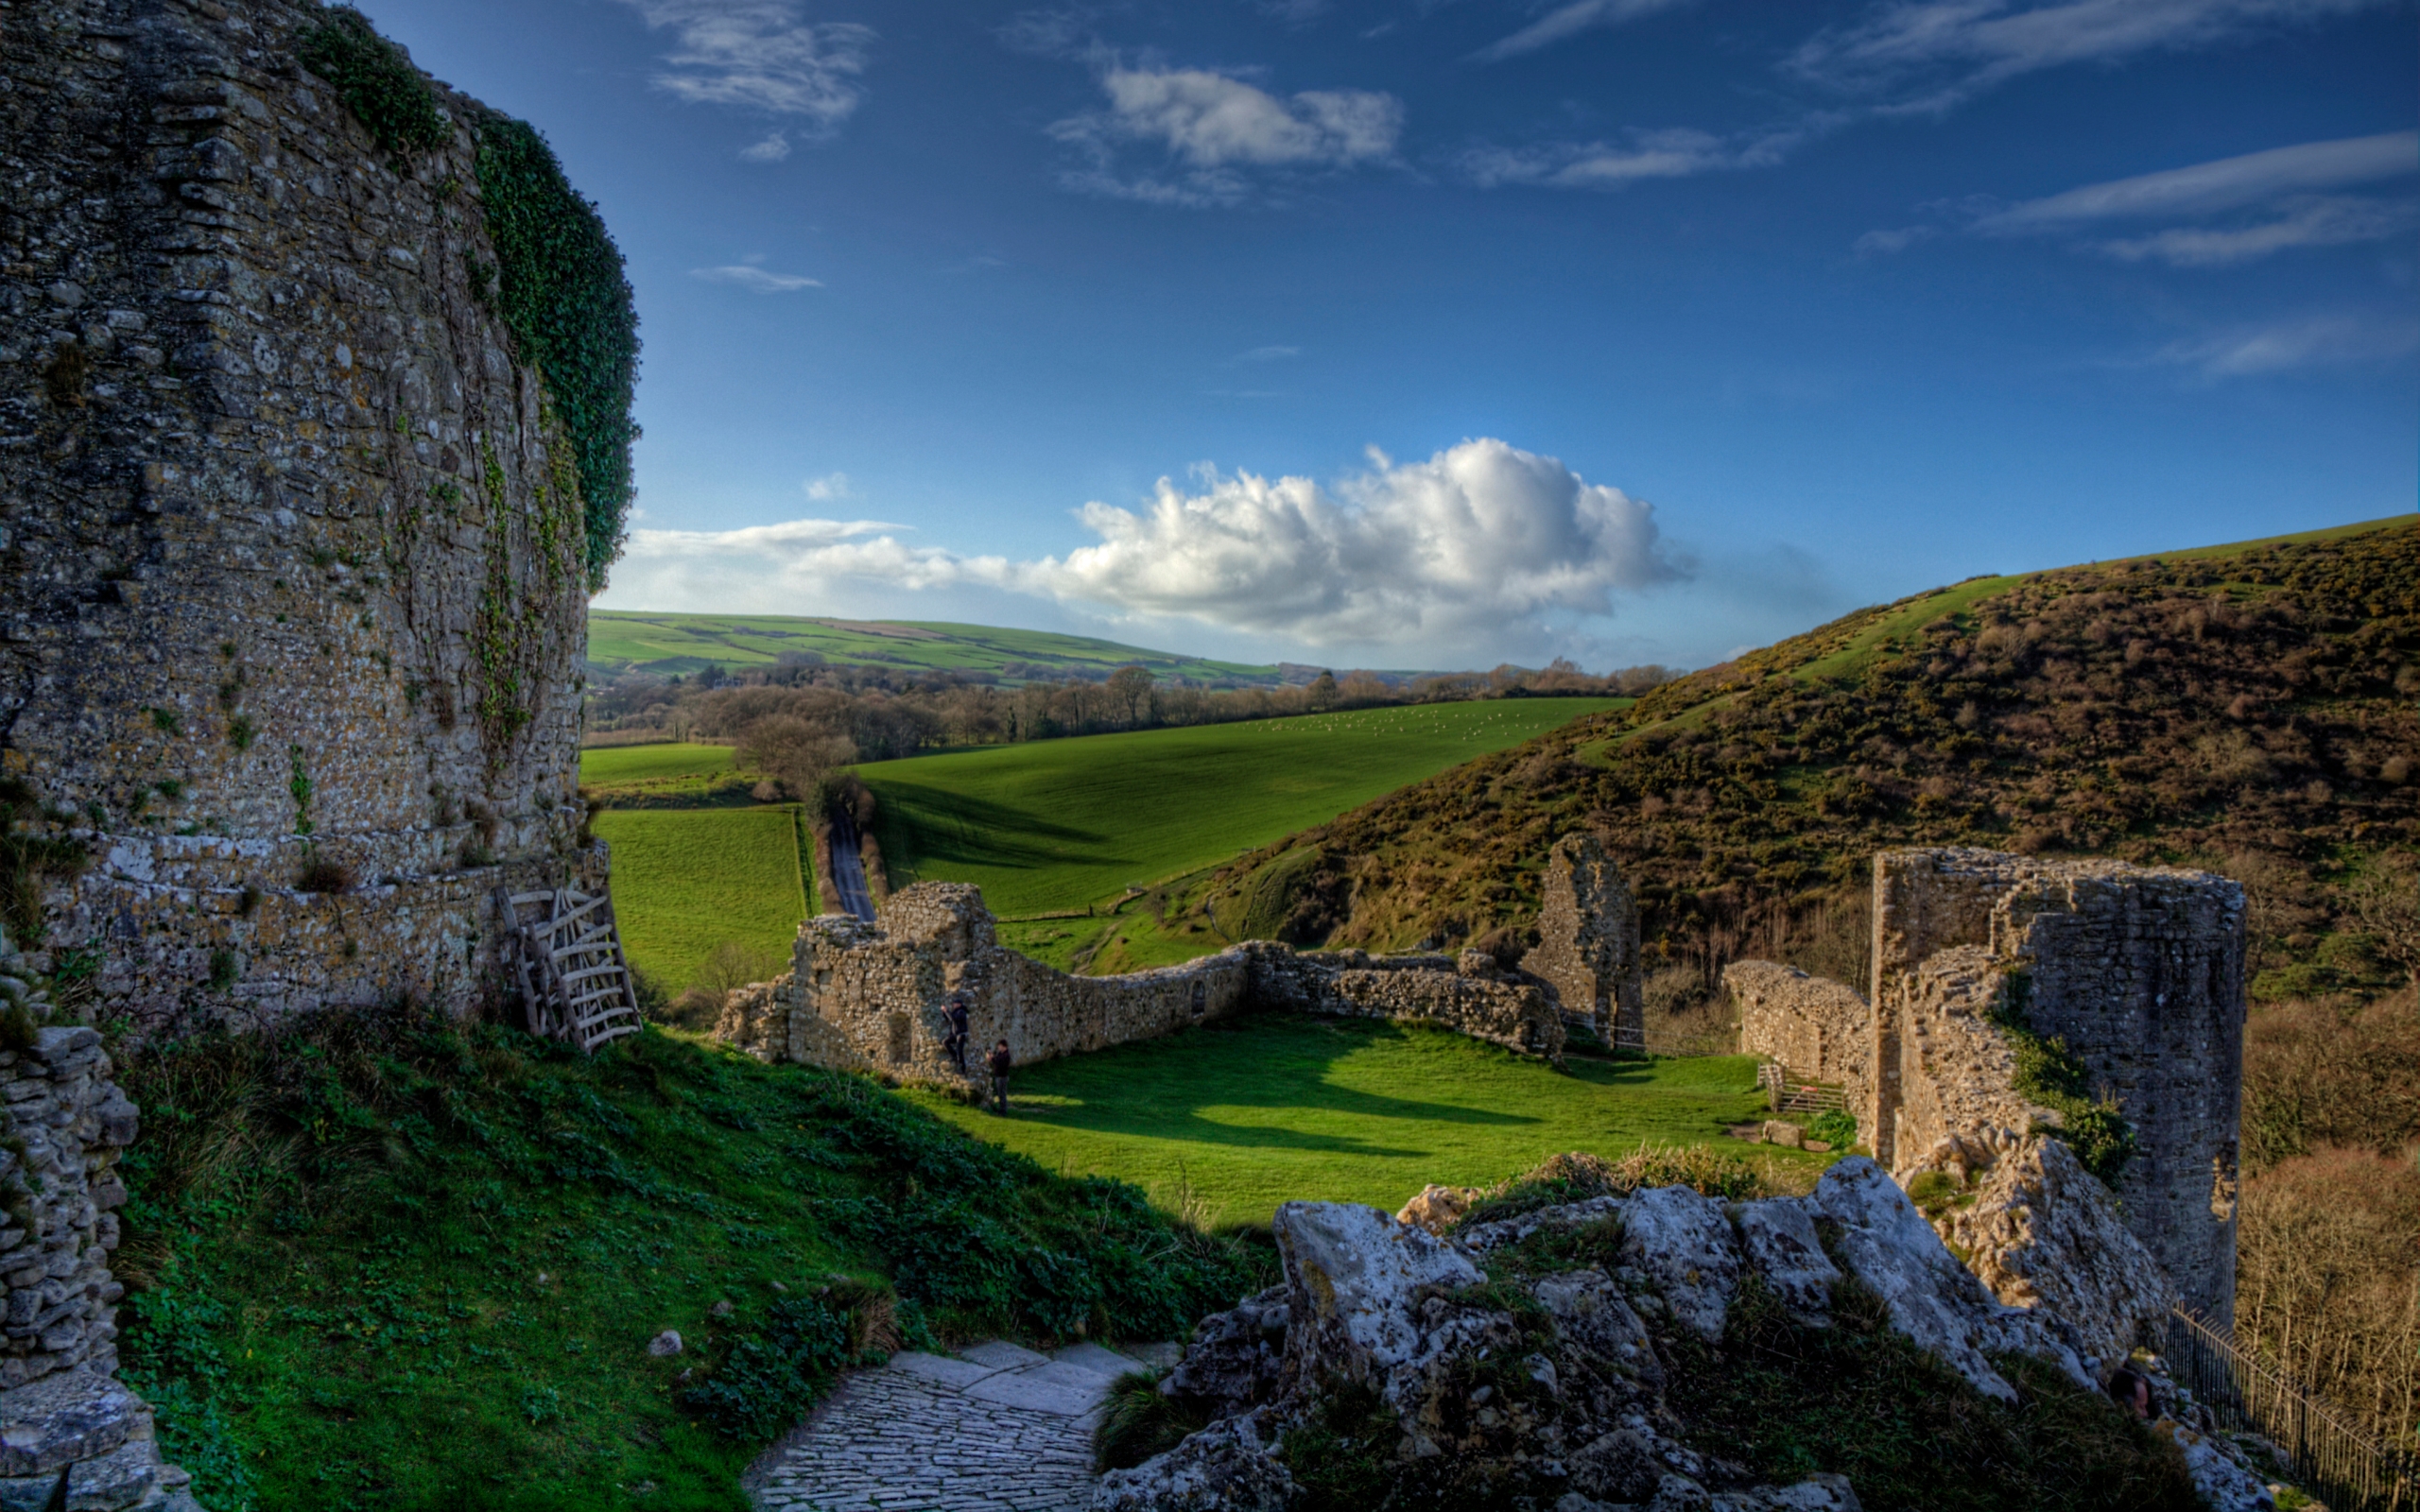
x=1815, y=1027
x=66, y=1123
x=871, y=997
x=2138, y=970
x=290, y=545
x=1588, y=941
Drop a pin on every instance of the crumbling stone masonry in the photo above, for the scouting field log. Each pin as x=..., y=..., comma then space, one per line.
x=1812, y=1025
x=65, y=1124
x=871, y=997
x=2137, y=970
x=1588, y=941
x=291, y=571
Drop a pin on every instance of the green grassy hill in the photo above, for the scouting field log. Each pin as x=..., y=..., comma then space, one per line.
x=619, y=639
x=384, y=1263
x=2252, y=707
x=1066, y=825
x=688, y=880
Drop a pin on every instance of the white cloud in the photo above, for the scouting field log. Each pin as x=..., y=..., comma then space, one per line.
x=2329, y=222
x=772, y=149
x=756, y=280
x=2228, y=183
x=1895, y=239
x=1469, y=543
x=762, y=55
x=1570, y=21
x=1676, y=153
x=831, y=486
x=1212, y=130
x=1947, y=50
x=2319, y=341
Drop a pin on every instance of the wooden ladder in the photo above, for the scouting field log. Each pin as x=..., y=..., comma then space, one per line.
x=575, y=985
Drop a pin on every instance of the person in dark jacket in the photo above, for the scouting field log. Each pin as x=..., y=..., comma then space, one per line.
x=954, y=1042
x=999, y=1061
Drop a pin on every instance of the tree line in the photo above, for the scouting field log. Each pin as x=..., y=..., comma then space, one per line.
x=798, y=722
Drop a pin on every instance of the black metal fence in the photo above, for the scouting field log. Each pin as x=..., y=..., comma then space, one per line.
x=2244, y=1393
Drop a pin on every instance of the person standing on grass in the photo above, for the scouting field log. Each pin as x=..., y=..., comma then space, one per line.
x=999, y=1062
x=956, y=1040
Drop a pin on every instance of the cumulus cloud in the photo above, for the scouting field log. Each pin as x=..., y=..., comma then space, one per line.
x=1941, y=52
x=2317, y=341
x=761, y=55
x=772, y=149
x=1472, y=542
x=756, y=280
x=1677, y=153
x=1569, y=21
x=1212, y=133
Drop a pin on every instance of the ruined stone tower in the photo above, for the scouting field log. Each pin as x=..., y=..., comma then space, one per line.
x=1588, y=941
x=2137, y=971
x=294, y=536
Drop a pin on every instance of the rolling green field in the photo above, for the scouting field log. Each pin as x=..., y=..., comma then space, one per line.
x=689, y=643
x=1067, y=824
x=1232, y=1119
x=686, y=880
x=656, y=776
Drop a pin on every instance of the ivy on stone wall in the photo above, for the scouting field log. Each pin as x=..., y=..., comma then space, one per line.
x=561, y=292
x=2048, y=1073
x=377, y=80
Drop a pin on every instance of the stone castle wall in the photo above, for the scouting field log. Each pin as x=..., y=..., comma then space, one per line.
x=2137, y=970
x=65, y=1124
x=1814, y=1026
x=871, y=997
x=1588, y=941
x=291, y=580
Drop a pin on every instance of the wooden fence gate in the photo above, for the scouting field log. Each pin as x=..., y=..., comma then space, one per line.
x=575, y=985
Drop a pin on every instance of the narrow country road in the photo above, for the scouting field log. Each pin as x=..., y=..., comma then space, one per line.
x=847, y=885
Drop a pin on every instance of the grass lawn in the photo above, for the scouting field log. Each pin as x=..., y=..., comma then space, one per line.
x=686, y=880
x=672, y=775
x=688, y=643
x=1232, y=1119
x=1067, y=824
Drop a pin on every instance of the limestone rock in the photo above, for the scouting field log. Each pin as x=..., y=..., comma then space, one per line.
x=1225, y=1467
x=1356, y=1280
x=1788, y=1135
x=1484, y=1237
x=1816, y=1493
x=2222, y=1481
x=1593, y=1317
x=1778, y=1238
x=1933, y=1299
x=1437, y=1209
x=1620, y=1465
x=664, y=1344
x=1234, y=1362
x=2044, y=1235
x=1682, y=1241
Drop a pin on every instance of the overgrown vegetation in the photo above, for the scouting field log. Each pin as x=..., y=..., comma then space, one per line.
x=2253, y=708
x=386, y=1260
x=561, y=293
x=2049, y=1075
x=1576, y=1176
x=1137, y=1421
x=377, y=80
x=34, y=849
x=1859, y=1399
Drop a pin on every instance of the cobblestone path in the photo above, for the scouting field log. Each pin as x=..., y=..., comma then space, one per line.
x=993, y=1427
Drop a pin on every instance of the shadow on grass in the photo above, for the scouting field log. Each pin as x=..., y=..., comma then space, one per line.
x=952, y=829
x=1161, y=1088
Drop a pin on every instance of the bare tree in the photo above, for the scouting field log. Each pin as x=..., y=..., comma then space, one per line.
x=2387, y=901
x=1129, y=691
x=793, y=757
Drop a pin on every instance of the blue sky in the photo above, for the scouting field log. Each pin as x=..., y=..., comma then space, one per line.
x=1435, y=333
